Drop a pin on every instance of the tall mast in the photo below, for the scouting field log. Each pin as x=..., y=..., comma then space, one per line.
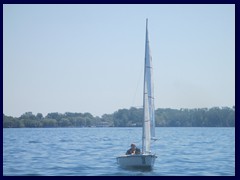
x=146, y=114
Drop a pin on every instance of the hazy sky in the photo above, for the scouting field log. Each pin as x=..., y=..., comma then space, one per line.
x=89, y=58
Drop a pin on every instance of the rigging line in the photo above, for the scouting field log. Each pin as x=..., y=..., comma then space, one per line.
x=140, y=75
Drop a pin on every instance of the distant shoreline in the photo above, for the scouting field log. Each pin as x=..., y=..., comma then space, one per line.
x=198, y=117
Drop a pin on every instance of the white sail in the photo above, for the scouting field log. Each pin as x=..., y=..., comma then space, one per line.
x=148, y=99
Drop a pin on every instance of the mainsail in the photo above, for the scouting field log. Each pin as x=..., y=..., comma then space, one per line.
x=148, y=99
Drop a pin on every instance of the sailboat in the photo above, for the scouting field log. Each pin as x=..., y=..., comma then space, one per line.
x=146, y=158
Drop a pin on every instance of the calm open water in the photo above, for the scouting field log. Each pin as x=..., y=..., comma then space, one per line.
x=93, y=151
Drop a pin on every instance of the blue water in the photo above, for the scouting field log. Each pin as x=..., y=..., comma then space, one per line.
x=93, y=151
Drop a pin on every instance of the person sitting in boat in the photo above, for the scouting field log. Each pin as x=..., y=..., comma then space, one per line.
x=133, y=150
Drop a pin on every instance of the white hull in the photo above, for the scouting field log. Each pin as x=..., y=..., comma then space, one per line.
x=140, y=160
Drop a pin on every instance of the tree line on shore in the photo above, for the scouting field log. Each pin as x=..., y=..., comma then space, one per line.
x=164, y=117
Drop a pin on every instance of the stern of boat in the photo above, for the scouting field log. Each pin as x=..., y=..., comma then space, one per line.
x=141, y=160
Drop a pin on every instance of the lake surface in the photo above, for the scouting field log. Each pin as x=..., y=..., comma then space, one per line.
x=93, y=151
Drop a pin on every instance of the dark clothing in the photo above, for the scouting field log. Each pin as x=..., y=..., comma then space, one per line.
x=130, y=151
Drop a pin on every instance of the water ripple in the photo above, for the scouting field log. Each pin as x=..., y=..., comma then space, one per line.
x=93, y=151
